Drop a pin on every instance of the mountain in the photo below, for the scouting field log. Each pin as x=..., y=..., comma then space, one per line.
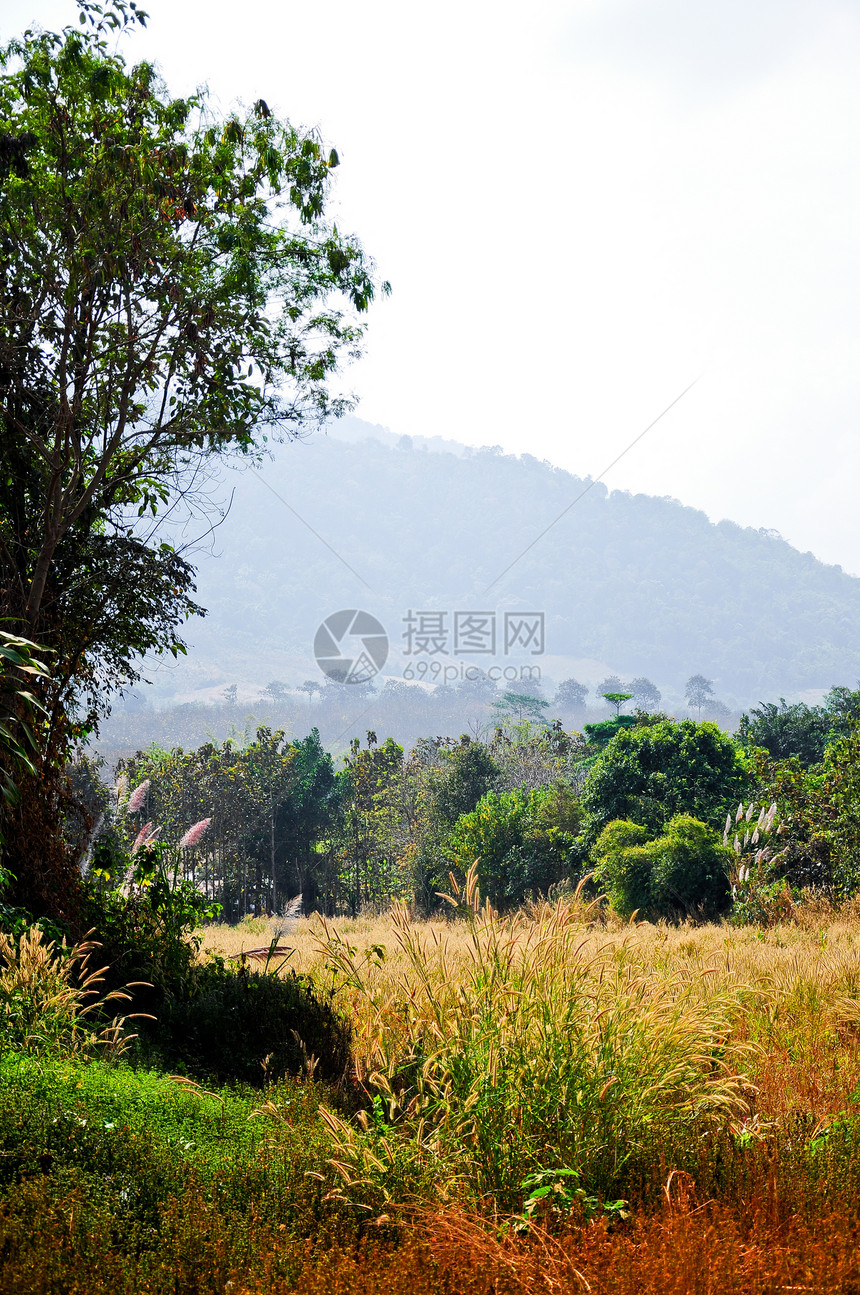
x=628, y=584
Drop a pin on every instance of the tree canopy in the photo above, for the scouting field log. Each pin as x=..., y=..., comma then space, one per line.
x=170, y=290
x=652, y=772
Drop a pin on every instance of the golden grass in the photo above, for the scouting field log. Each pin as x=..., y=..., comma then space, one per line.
x=795, y=986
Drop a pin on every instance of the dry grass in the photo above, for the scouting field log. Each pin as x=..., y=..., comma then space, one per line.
x=686, y=1249
x=47, y=994
x=760, y=1204
x=796, y=985
x=501, y=1047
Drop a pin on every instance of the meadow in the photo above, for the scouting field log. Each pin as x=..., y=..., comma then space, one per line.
x=551, y=1100
x=600, y=1105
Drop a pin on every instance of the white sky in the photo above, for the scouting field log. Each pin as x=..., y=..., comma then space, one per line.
x=581, y=207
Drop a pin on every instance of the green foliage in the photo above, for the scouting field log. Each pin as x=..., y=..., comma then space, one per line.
x=118, y=1180
x=269, y=805
x=601, y=734
x=690, y=872
x=622, y=868
x=617, y=699
x=521, y=841
x=556, y=1194
x=20, y=666
x=683, y=872
x=454, y=777
x=148, y=925
x=370, y=841
x=651, y=773
x=171, y=292
x=819, y=817
x=468, y=772
x=835, y=812
x=798, y=730
x=252, y=1027
x=844, y=706
x=211, y=1021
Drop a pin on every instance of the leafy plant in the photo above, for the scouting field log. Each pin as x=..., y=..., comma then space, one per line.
x=652, y=772
x=518, y=846
x=553, y=1195
x=683, y=872
x=18, y=705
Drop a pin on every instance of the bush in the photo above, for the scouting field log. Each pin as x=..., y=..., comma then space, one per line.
x=148, y=927
x=116, y=1180
x=220, y=1024
x=252, y=1027
x=622, y=868
x=519, y=842
x=684, y=872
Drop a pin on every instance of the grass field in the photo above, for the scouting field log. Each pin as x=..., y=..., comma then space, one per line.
x=794, y=988
x=540, y=1103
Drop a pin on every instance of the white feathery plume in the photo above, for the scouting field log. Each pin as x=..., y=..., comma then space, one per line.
x=293, y=909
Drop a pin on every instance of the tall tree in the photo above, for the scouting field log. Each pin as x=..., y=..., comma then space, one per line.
x=611, y=683
x=654, y=771
x=170, y=291
x=646, y=694
x=698, y=691
x=571, y=695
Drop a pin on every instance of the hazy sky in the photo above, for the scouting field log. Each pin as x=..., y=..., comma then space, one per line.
x=581, y=207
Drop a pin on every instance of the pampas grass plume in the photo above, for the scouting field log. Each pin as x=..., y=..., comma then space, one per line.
x=193, y=835
x=141, y=837
x=137, y=797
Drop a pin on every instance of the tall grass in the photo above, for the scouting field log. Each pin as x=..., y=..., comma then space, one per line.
x=708, y=1075
x=50, y=998
x=538, y=1052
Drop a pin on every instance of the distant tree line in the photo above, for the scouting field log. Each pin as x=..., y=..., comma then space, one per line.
x=656, y=809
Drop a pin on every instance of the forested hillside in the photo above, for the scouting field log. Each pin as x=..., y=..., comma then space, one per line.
x=629, y=583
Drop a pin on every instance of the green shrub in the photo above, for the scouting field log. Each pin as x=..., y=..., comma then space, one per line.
x=119, y=1180
x=684, y=872
x=148, y=925
x=519, y=842
x=252, y=1027
x=218, y=1023
x=622, y=867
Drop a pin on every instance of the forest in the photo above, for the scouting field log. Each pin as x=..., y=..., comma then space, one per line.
x=541, y=809
x=557, y=987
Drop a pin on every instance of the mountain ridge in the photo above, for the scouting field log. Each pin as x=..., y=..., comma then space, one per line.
x=629, y=583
